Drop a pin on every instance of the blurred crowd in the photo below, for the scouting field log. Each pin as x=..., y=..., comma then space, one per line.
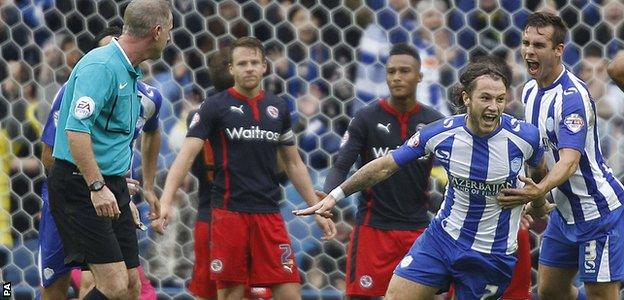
x=326, y=60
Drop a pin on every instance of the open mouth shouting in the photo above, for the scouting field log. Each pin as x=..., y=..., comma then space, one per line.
x=532, y=67
x=490, y=119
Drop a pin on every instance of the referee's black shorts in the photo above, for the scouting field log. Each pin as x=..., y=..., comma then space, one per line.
x=87, y=238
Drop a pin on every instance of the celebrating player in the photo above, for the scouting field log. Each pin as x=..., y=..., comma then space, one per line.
x=584, y=232
x=471, y=240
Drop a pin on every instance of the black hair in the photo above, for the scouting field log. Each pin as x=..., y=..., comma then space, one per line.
x=405, y=49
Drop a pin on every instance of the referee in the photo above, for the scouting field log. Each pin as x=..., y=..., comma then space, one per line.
x=89, y=198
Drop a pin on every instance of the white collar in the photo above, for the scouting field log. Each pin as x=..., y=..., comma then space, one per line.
x=114, y=41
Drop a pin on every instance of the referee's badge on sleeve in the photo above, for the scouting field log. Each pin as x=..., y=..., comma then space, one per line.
x=85, y=106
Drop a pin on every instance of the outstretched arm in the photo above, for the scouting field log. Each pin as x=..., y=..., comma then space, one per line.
x=372, y=173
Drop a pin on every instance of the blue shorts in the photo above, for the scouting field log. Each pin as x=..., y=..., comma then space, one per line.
x=437, y=260
x=595, y=248
x=51, y=255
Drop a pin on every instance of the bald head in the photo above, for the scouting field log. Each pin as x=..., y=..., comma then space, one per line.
x=143, y=15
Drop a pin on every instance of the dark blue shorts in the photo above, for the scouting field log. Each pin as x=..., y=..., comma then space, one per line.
x=595, y=248
x=436, y=260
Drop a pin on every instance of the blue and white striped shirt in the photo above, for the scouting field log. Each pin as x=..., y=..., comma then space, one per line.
x=566, y=117
x=478, y=168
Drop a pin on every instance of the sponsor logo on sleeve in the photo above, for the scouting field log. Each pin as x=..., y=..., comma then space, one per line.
x=85, y=106
x=574, y=122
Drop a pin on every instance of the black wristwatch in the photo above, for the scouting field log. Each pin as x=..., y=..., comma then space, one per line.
x=96, y=186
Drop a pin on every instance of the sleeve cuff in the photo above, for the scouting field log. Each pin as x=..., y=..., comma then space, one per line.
x=84, y=130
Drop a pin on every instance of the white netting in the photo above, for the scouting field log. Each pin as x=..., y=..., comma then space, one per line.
x=323, y=55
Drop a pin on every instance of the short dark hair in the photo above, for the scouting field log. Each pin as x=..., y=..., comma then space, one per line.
x=218, y=70
x=247, y=42
x=467, y=80
x=545, y=19
x=405, y=49
x=112, y=31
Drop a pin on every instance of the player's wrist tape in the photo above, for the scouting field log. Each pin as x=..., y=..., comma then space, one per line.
x=337, y=193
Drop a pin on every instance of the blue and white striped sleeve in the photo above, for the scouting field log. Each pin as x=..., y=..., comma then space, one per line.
x=151, y=123
x=574, y=121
